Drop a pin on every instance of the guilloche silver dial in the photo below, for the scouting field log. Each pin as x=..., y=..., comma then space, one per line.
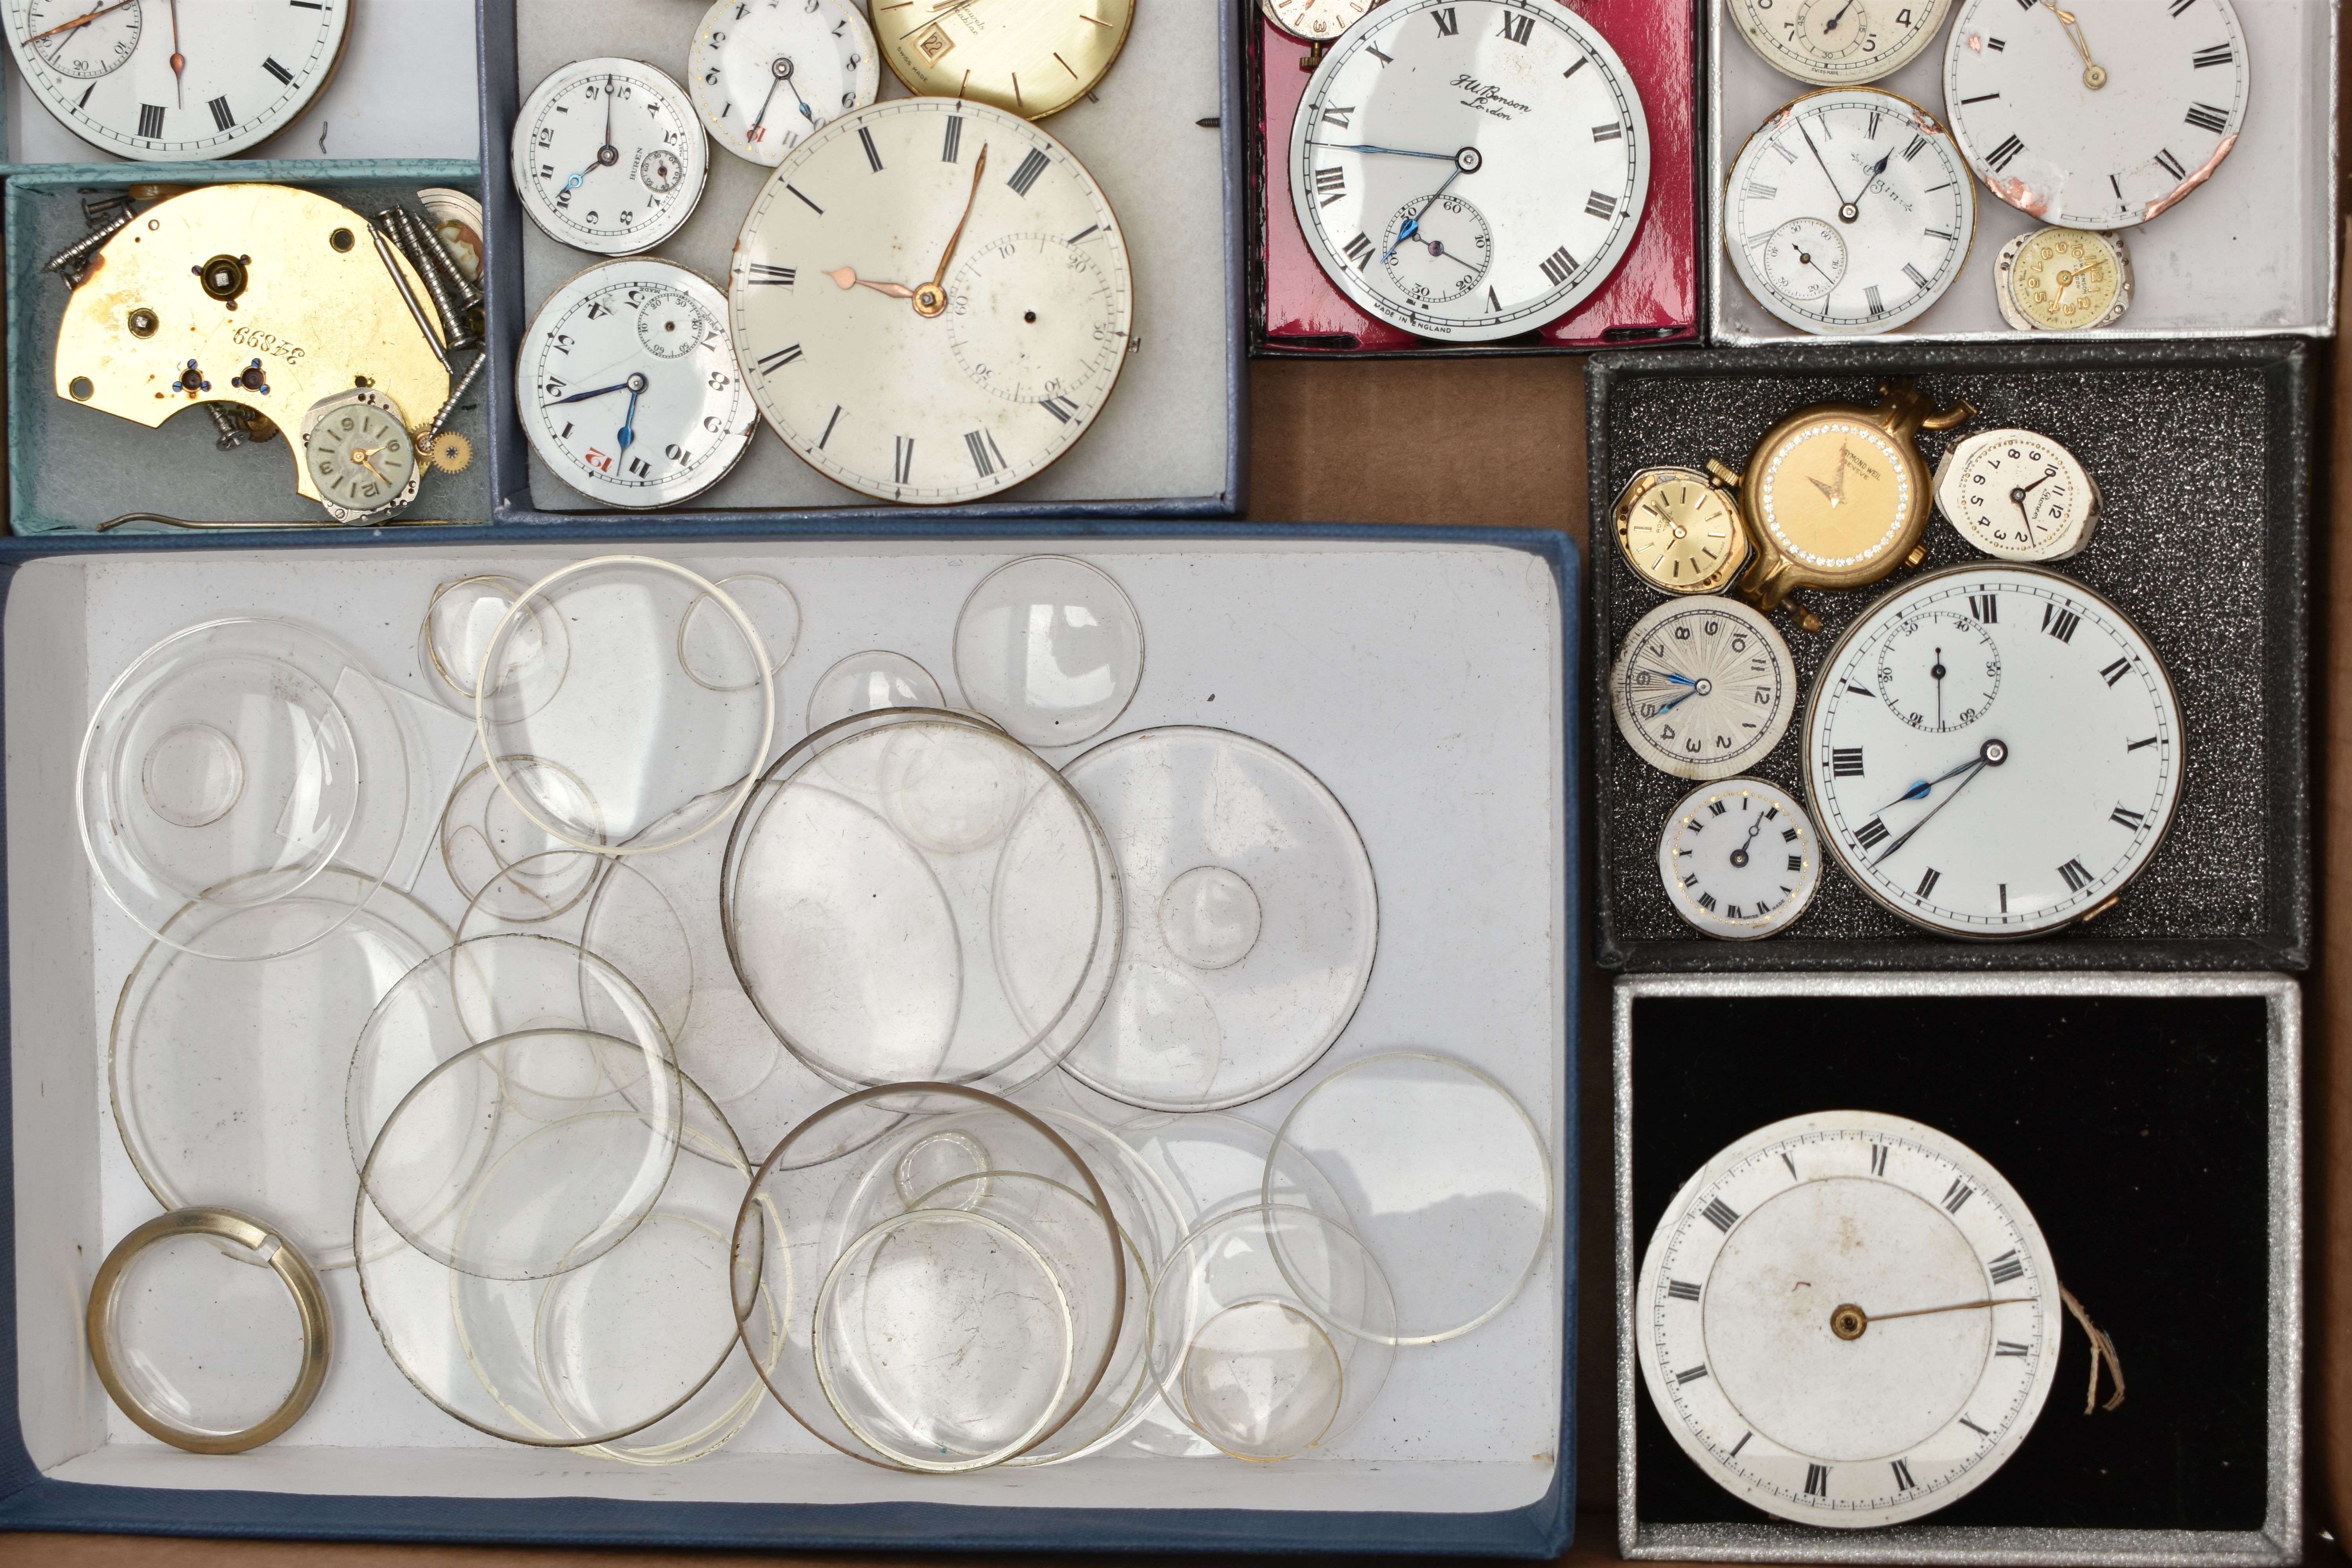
x=1848, y=1318
x=1703, y=687
x=170, y=82
x=931, y=300
x=609, y=156
x=765, y=73
x=1993, y=751
x=628, y=384
x=1849, y=212
x=1470, y=169
x=2102, y=114
x=1838, y=42
x=1738, y=859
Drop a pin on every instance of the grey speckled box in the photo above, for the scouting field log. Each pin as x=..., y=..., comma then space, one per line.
x=2204, y=452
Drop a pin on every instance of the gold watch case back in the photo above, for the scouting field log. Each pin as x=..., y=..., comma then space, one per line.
x=2063, y=280
x=263, y=296
x=1029, y=58
x=1837, y=495
x=1681, y=531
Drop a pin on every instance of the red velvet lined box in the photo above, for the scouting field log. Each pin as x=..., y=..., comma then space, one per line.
x=1652, y=297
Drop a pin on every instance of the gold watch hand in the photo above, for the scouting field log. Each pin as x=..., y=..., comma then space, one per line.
x=1845, y=457
x=2095, y=76
x=365, y=456
x=84, y=20
x=1849, y=1321
x=931, y=299
x=946, y=8
x=179, y=64
x=1825, y=490
x=847, y=278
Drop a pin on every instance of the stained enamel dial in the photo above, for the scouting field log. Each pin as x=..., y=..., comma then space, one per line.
x=1313, y=21
x=1029, y=58
x=2099, y=115
x=1849, y=211
x=765, y=73
x=629, y=389
x=1470, y=169
x=1703, y=687
x=930, y=300
x=1848, y=1318
x=2019, y=789
x=205, y=79
x=609, y=155
x=2017, y=495
x=1838, y=42
x=1738, y=859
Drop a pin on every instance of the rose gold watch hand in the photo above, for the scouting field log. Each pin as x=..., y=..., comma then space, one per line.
x=931, y=299
x=179, y=64
x=84, y=20
x=847, y=278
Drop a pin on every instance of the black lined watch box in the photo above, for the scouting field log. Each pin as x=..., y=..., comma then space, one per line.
x=2150, y=1123
x=2203, y=452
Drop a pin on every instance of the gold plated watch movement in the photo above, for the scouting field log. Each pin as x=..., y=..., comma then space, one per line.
x=1681, y=529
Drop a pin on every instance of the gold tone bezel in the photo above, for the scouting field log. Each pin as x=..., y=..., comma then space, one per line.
x=2020, y=317
x=1638, y=489
x=924, y=56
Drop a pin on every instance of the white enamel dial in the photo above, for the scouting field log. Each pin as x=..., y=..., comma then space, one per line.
x=2017, y=495
x=765, y=73
x=1470, y=169
x=1703, y=687
x=1848, y=1318
x=1838, y=42
x=609, y=156
x=628, y=384
x=1738, y=859
x=1314, y=21
x=168, y=82
x=2101, y=115
x=2022, y=788
x=1877, y=176
x=930, y=300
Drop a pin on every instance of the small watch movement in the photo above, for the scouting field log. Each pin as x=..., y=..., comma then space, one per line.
x=2018, y=496
x=2063, y=280
x=1681, y=529
x=356, y=450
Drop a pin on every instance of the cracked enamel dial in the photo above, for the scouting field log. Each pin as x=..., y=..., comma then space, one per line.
x=1993, y=752
x=1849, y=212
x=1703, y=687
x=765, y=73
x=149, y=79
x=2102, y=114
x=1848, y=1318
x=1738, y=859
x=1470, y=169
x=930, y=300
x=628, y=385
x=1838, y=42
x=609, y=156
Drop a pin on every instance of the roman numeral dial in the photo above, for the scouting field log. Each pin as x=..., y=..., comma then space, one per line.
x=1737, y=859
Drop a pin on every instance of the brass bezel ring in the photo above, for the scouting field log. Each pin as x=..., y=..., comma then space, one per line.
x=285, y=1260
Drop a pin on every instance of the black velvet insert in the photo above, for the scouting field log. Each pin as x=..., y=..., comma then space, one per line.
x=2136, y=1129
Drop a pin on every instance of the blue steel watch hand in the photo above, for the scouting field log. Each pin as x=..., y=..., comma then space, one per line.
x=629, y=418
x=1921, y=790
x=1394, y=152
x=1413, y=223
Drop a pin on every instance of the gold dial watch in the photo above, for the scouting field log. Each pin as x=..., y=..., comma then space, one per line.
x=1681, y=529
x=1029, y=58
x=2063, y=280
x=1837, y=495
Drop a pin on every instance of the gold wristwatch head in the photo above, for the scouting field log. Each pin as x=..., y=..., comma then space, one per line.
x=1681, y=529
x=1837, y=495
x=1029, y=58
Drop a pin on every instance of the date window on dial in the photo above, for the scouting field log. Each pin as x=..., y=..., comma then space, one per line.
x=934, y=43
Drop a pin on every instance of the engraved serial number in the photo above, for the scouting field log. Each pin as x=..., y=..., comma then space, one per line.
x=267, y=342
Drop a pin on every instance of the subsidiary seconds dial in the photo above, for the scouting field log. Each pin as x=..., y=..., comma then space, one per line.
x=2019, y=790
x=1470, y=169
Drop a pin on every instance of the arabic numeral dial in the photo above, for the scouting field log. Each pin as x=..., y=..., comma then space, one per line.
x=1703, y=687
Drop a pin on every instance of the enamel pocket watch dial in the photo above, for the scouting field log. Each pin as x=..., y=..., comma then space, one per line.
x=1838, y=42
x=628, y=384
x=2063, y=280
x=2099, y=115
x=1313, y=21
x=356, y=447
x=1704, y=687
x=1848, y=1320
x=1470, y=169
x=1029, y=58
x=1993, y=752
x=1738, y=859
x=1681, y=529
x=151, y=80
x=949, y=387
x=2018, y=496
x=1849, y=211
x=609, y=156
x=765, y=73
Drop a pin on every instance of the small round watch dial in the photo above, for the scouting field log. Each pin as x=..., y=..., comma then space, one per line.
x=1871, y=170
x=1738, y=859
x=1029, y=58
x=930, y=300
x=2018, y=496
x=628, y=384
x=1703, y=687
x=765, y=73
x=359, y=454
x=1836, y=494
x=1848, y=1318
x=2030, y=815
x=2099, y=115
x=142, y=81
x=2062, y=280
x=1313, y=21
x=1679, y=532
x=609, y=156
x=1470, y=169
x=1838, y=42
